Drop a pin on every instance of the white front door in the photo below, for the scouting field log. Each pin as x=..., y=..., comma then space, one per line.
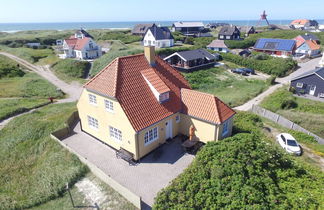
x=312, y=90
x=168, y=129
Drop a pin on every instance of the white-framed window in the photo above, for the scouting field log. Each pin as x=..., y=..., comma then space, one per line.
x=92, y=99
x=151, y=136
x=93, y=122
x=221, y=36
x=299, y=85
x=178, y=118
x=115, y=133
x=225, y=128
x=109, y=105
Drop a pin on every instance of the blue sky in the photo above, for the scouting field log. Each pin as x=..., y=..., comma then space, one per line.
x=148, y=10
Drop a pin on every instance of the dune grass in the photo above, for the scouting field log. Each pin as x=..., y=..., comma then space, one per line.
x=306, y=113
x=71, y=70
x=231, y=88
x=30, y=85
x=34, y=168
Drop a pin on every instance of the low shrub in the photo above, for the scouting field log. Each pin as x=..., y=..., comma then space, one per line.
x=9, y=68
x=124, y=36
x=288, y=104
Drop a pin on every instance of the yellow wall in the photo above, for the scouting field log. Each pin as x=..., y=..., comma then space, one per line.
x=204, y=131
x=145, y=149
x=117, y=119
x=133, y=141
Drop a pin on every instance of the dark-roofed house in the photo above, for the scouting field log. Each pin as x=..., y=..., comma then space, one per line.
x=140, y=29
x=311, y=82
x=159, y=37
x=191, y=60
x=229, y=33
x=247, y=30
x=188, y=28
x=80, y=34
x=276, y=47
x=308, y=36
x=218, y=45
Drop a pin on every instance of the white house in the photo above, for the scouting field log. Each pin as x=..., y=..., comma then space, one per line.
x=81, y=46
x=158, y=37
x=218, y=45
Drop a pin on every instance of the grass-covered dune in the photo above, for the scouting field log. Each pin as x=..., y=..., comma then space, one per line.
x=244, y=172
x=70, y=69
x=9, y=68
x=33, y=167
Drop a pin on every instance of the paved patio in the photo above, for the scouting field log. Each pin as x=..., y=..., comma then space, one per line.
x=145, y=179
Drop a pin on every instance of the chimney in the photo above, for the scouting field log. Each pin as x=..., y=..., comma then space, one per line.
x=149, y=52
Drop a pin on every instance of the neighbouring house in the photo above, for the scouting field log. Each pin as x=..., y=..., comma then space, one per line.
x=229, y=33
x=191, y=60
x=241, y=52
x=188, y=28
x=159, y=37
x=311, y=83
x=309, y=47
x=303, y=24
x=308, y=36
x=59, y=42
x=247, y=30
x=81, y=46
x=33, y=44
x=218, y=45
x=276, y=47
x=138, y=102
x=215, y=25
x=140, y=29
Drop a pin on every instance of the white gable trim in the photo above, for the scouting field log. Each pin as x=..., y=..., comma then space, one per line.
x=174, y=55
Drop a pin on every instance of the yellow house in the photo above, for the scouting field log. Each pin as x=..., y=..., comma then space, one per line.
x=137, y=102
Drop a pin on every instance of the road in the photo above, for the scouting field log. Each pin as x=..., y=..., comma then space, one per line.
x=303, y=67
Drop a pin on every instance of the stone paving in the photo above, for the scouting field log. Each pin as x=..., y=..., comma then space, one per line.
x=145, y=179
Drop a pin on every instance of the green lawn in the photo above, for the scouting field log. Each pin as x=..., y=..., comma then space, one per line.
x=231, y=88
x=304, y=112
x=34, y=168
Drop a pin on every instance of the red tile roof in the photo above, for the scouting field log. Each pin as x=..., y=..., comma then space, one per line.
x=155, y=80
x=80, y=44
x=299, y=22
x=217, y=44
x=299, y=41
x=71, y=42
x=123, y=79
x=205, y=106
x=312, y=45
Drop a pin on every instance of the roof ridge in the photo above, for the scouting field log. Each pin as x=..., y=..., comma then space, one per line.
x=217, y=108
x=100, y=72
x=127, y=56
x=116, y=77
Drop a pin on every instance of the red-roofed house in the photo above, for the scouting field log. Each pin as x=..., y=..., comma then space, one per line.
x=307, y=47
x=137, y=102
x=81, y=46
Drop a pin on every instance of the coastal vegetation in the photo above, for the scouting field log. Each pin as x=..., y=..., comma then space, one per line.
x=70, y=69
x=267, y=64
x=34, y=168
x=307, y=113
x=233, y=89
x=244, y=171
x=9, y=68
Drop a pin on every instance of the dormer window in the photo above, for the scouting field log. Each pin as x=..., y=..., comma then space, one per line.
x=164, y=97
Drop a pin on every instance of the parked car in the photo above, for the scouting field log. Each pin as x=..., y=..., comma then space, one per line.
x=289, y=143
x=248, y=71
x=239, y=71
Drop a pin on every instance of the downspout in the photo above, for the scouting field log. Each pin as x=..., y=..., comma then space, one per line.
x=137, y=145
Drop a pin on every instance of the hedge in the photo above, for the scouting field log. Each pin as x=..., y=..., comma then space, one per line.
x=273, y=66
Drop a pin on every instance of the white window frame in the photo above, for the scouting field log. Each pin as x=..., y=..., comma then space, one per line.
x=93, y=123
x=225, y=128
x=151, y=135
x=299, y=84
x=109, y=105
x=115, y=133
x=177, y=118
x=92, y=99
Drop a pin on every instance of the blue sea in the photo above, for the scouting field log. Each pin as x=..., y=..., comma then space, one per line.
x=14, y=27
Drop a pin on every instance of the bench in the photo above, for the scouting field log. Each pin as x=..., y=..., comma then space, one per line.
x=125, y=155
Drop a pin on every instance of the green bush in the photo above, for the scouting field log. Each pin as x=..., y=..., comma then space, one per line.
x=9, y=68
x=273, y=66
x=72, y=68
x=243, y=172
x=178, y=36
x=276, y=100
x=288, y=104
x=271, y=80
x=189, y=40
